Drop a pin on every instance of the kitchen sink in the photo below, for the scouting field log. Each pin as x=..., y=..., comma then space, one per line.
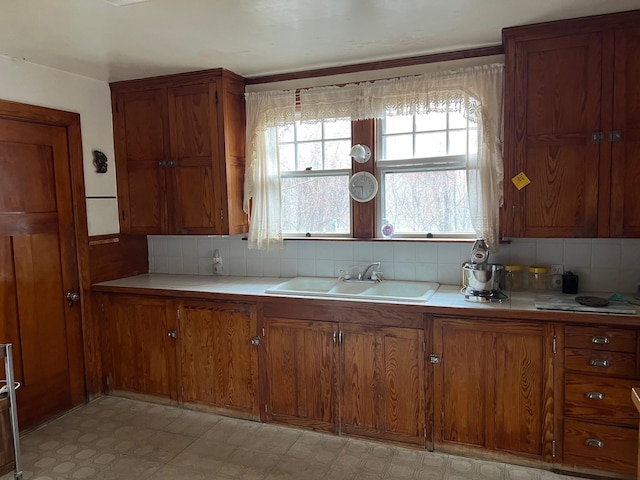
x=390, y=290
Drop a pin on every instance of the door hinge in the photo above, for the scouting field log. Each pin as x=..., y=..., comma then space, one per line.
x=102, y=307
x=425, y=432
x=513, y=211
x=178, y=313
x=221, y=214
x=553, y=449
x=255, y=341
x=434, y=358
x=107, y=380
x=263, y=334
x=265, y=408
x=554, y=344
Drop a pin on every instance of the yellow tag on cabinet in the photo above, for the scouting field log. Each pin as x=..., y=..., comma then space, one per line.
x=521, y=181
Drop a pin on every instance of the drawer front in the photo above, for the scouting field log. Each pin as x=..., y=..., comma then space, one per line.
x=600, y=399
x=601, y=338
x=603, y=363
x=603, y=447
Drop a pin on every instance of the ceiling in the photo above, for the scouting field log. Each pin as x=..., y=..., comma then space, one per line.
x=259, y=37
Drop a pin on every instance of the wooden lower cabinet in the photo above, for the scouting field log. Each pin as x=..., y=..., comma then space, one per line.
x=363, y=380
x=601, y=366
x=205, y=357
x=493, y=386
x=218, y=365
x=302, y=367
x=139, y=353
x=383, y=383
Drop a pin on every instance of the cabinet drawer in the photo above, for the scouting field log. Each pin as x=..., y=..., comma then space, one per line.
x=601, y=338
x=600, y=399
x=603, y=363
x=600, y=446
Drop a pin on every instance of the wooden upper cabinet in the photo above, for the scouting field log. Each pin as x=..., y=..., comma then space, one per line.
x=180, y=153
x=625, y=171
x=494, y=386
x=567, y=92
x=139, y=125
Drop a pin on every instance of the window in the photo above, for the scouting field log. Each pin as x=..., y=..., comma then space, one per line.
x=314, y=171
x=422, y=170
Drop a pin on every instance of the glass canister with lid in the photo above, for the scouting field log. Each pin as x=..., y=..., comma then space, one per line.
x=514, y=278
x=538, y=278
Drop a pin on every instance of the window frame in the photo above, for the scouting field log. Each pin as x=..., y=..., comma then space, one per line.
x=366, y=218
x=309, y=173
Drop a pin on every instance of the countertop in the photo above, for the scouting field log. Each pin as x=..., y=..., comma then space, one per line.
x=446, y=300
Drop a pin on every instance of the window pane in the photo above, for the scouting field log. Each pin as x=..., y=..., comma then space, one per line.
x=398, y=124
x=336, y=154
x=457, y=120
x=337, y=129
x=285, y=133
x=427, y=202
x=431, y=144
x=287, y=155
x=309, y=131
x=397, y=147
x=431, y=121
x=458, y=142
x=310, y=155
x=316, y=205
x=473, y=140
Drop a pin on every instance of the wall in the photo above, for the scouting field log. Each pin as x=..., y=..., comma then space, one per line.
x=25, y=82
x=611, y=265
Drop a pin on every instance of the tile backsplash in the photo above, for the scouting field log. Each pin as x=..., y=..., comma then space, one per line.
x=611, y=265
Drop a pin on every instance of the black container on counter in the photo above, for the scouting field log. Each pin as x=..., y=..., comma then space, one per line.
x=570, y=283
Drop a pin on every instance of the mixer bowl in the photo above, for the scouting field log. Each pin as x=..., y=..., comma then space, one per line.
x=483, y=276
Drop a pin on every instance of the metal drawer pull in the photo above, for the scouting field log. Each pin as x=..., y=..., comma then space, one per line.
x=600, y=340
x=592, y=442
x=594, y=395
x=598, y=362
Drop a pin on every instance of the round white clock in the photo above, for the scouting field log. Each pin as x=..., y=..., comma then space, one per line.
x=363, y=186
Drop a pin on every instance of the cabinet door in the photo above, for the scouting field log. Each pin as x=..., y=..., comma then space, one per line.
x=301, y=372
x=140, y=353
x=493, y=386
x=383, y=383
x=553, y=99
x=141, y=145
x=218, y=363
x=196, y=178
x=625, y=170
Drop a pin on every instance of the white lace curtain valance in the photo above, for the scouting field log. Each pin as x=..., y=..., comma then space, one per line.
x=476, y=92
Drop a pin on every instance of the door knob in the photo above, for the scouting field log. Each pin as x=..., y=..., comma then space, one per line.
x=72, y=297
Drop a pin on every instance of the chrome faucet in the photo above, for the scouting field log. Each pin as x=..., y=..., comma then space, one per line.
x=363, y=275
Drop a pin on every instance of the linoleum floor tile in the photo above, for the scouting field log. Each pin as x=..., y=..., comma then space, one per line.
x=120, y=439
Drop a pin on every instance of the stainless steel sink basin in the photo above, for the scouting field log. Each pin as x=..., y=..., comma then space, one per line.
x=390, y=290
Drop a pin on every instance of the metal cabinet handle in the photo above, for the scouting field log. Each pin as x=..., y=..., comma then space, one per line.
x=592, y=442
x=172, y=334
x=594, y=395
x=600, y=340
x=599, y=362
x=335, y=337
